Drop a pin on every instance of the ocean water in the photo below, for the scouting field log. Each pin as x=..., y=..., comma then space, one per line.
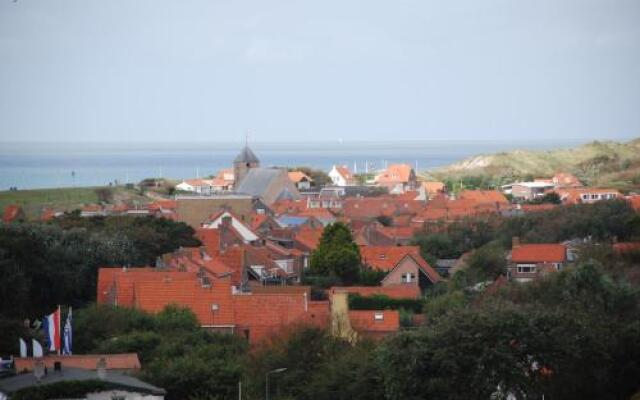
x=46, y=165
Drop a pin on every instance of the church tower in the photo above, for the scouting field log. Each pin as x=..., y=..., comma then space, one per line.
x=243, y=163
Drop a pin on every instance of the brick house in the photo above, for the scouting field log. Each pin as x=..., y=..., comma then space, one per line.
x=403, y=264
x=529, y=261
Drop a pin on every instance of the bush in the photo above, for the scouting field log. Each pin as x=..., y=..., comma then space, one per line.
x=382, y=302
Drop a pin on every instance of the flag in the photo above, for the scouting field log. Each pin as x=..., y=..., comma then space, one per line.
x=67, y=336
x=23, y=348
x=51, y=328
x=37, y=349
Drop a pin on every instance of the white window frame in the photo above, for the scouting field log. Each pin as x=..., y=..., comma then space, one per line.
x=526, y=268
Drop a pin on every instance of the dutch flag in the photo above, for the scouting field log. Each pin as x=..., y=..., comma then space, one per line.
x=51, y=328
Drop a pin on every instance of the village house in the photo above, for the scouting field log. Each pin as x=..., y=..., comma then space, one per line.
x=398, y=178
x=197, y=186
x=529, y=261
x=341, y=176
x=113, y=371
x=528, y=190
x=255, y=315
x=301, y=180
x=586, y=195
x=194, y=210
x=327, y=198
x=403, y=265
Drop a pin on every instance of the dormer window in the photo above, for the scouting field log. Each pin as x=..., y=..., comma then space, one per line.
x=382, y=256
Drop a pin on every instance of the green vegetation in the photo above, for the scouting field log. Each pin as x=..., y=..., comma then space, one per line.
x=382, y=302
x=600, y=221
x=573, y=334
x=609, y=164
x=178, y=355
x=337, y=255
x=66, y=199
x=42, y=265
x=319, y=177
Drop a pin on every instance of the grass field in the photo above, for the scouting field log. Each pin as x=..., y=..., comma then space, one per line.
x=62, y=199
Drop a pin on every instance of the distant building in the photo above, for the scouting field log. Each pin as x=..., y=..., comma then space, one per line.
x=529, y=261
x=199, y=186
x=301, y=180
x=528, y=190
x=398, y=178
x=268, y=184
x=194, y=210
x=341, y=176
x=111, y=370
x=403, y=264
x=586, y=195
x=243, y=162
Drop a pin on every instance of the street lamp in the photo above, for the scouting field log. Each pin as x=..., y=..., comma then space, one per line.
x=274, y=371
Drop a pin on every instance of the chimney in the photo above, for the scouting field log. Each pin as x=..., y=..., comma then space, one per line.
x=515, y=242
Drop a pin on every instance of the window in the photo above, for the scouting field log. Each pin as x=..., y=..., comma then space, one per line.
x=382, y=256
x=585, y=197
x=378, y=316
x=408, y=277
x=594, y=197
x=526, y=268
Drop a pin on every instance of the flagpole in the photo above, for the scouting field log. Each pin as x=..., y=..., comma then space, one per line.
x=59, y=330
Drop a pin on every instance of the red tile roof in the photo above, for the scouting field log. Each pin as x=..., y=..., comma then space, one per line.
x=395, y=173
x=297, y=176
x=122, y=282
x=539, y=253
x=210, y=238
x=375, y=321
x=626, y=247
x=483, y=196
x=346, y=174
x=385, y=258
x=11, y=213
x=213, y=306
x=309, y=237
x=433, y=187
x=635, y=202
x=287, y=206
x=124, y=361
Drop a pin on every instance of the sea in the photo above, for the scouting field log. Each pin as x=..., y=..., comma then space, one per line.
x=49, y=165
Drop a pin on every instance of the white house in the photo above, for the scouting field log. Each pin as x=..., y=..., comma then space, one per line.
x=341, y=176
x=200, y=186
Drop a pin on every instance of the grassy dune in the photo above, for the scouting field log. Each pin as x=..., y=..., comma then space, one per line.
x=61, y=199
x=597, y=163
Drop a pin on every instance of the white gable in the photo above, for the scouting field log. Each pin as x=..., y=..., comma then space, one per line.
x=246, y=233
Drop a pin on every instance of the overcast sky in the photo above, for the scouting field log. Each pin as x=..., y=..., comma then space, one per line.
x=89, y=70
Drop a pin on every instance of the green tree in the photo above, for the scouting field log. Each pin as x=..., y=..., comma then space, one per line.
x=337, y=254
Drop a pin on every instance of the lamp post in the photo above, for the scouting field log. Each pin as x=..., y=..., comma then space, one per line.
x=274, y=371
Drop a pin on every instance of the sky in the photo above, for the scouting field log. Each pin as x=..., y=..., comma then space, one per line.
x=213, y=70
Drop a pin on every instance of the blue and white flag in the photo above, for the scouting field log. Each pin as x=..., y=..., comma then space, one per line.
x=67, y=335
